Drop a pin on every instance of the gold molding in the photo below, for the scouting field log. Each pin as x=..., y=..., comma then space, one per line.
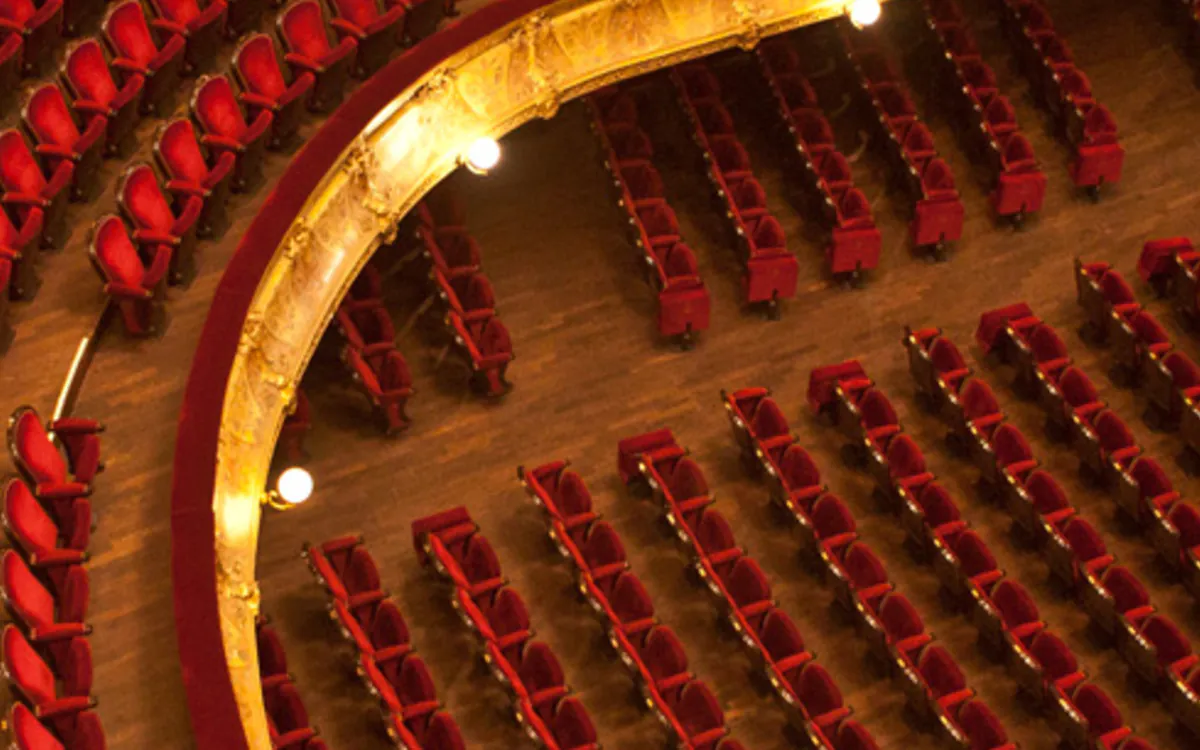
x=519, y=73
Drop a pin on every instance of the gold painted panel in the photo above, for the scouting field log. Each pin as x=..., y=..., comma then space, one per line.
x=514, y=75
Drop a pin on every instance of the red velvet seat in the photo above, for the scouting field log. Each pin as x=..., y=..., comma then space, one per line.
x=834, y=527
x=572, y=726
x=700, y=716
x=156, y=223
x=945, y=684
x=82, y=730
x=55, y=693
x=603, y=556
x=507, y=629
x=783, y=647
x=49, y=617
x=95, y=93
x=387, y=381
x=189, y=174
x=157, y=59
x=854, y=736
x=629, y=143
x=489, y=350
x=36, y=533
x=982, y=727
x=542, y=679
x=42, y=463
x=366, y=326
x=750, y=593
x=1106, y=727
x=27, y=192
x=138, y=288
x=568, y=500
x=452, y=252
x=820, y=697
x=39, y=26
x=48, y=119
x=631, y=608
x=287, y=718
x=405, y=687
x=225, y=129
x=378, y=31
x=470, y=296
x=301, y=27
x=903, y=629
x=201, y=26
x=344, y=566
x=264, y=86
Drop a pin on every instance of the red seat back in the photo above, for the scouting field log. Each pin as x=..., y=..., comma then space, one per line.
x=937, y=504
x=904, y=458
x=864, y=567
x=768, y=420
x=1010, y=446
x=797, y=468
x=34, y=529
x=1112, y=432
x=143, y=199
x=629, y=600
x=1101, y=713
x=18, y=169
x=1054, y=655
x=663, y=654
x=978, y=400
x=361, y=13
x=713, y=533
x=49, y=117
x=747, y=583
x=34, y=449
x=87, y=70
x=698, y=710
x=116, y=253
x=540, y=669
x=216, y=108
x=1077, y=389
x=817, y=691
x=572, y=726
x=900, y=618
x=982, y=726
x=443, y=734
x=27, y=670
x=1015, y=604
x=830, y=517
x=180, y=11
x=1045, y=492
x=19, y=11
x=1126, y=590
x=28, y=733
x=780, y=637
x=973, y=554
x=180, y=152
x=258, y=66
x=303, y=28
x=127, y=30
x=940, y=671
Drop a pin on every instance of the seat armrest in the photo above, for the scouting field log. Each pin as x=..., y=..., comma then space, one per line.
x=258, y=101
x=346, y=29
x=47, y=491
x=165, y=26
x=59, y=631
x=187, y=188
x=222, y=143
x=154, y=237
x=158, y=268
x=64, y=706
x=126, y=65
x=74, y=426
x=89, y=107
x=57, y=557
x=26, y=200
x=55, y=151
x=301, y=61
x=116, y=289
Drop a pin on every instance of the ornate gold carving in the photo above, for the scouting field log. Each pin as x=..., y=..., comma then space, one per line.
x=515, y=75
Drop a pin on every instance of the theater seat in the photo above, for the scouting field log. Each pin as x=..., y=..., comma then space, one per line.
x=202, y=28
x=225, y=129
x=378, y=31
x=138, y=289
x=27, y=192
x=387, y=382
x=60, y=139
x=489, y=350
x=158, y=60
x=572, y=726
x=287, y=718
x=36, y=533
x=632, y=608
x=156, y=223
x=301, y=27
x=57, y=691
x=39, y=27
x=81, y=730
x=820, y=697
x=40, y=460
x=95, y=93
x=189, y=174
x=272, y=659
x=700, y=716
x=264, y=87
x=49, y=616
x=783, y=646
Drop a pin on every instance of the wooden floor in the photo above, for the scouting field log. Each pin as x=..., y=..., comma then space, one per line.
x=590, y=372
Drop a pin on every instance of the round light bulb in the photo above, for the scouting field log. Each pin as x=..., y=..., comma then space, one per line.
x=295, y=485
x=864, y=12
x=483, y=155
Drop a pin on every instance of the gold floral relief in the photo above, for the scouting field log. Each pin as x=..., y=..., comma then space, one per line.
x=514, y=75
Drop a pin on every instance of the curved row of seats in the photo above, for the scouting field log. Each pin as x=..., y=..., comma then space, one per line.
x=842, y=209
x=1084, y=714
x=1170, y=266
x=370, y=352
x=47, y=518
x=369, y=619
x=651, y=650
x=469, y=303
x=1171, y=380
x=769, y=269
x=451, y=544
x=287, y=718
x=1110, y=593
x=988, y=121
x=1065, y=92
x=912, y=156
x=683, y=301
x=805, y=688
x=934, y=683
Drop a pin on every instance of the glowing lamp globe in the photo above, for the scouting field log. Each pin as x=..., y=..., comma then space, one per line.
x=294, y=486
x=864, y=12
x=483, y=155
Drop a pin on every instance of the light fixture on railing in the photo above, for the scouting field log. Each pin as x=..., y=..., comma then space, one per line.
x=294, y=486
x=482, y=156
x=863, y=12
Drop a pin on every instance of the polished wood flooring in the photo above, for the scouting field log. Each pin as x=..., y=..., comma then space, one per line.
x=589, y=371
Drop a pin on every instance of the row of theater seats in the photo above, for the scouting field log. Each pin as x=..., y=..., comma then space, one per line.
x=452, y=545
x=1083, y=713
x=370, y=353
x=907, y=144
x=1076, y=554
x=806, y=690
x=287, y=718
x=842, y=209
x=1065, y=92
x=988, y=123
x=47, y=518
x=1171, y=267
x=30, y=34
x=934, y=683
x=1171, y=380
x=651, y=650
x=770, y=269
x=370, y=620
x=469, y=304
x=683, y=301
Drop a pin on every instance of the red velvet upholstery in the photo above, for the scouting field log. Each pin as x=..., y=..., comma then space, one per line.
x=155, y=222
x=264, y=86
x=39, y=26
x=189, y=174
x=48, y=118
x=489, y=350
x=49, y=616
x=95, y=93
x=43, y=542
x=138, y=289
x=202, y=27
x=302, y=29
x=377, y=31
x=159, y=60
x=387, y=381
x=225, y=129
x=55, y=692
x=26, y=189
